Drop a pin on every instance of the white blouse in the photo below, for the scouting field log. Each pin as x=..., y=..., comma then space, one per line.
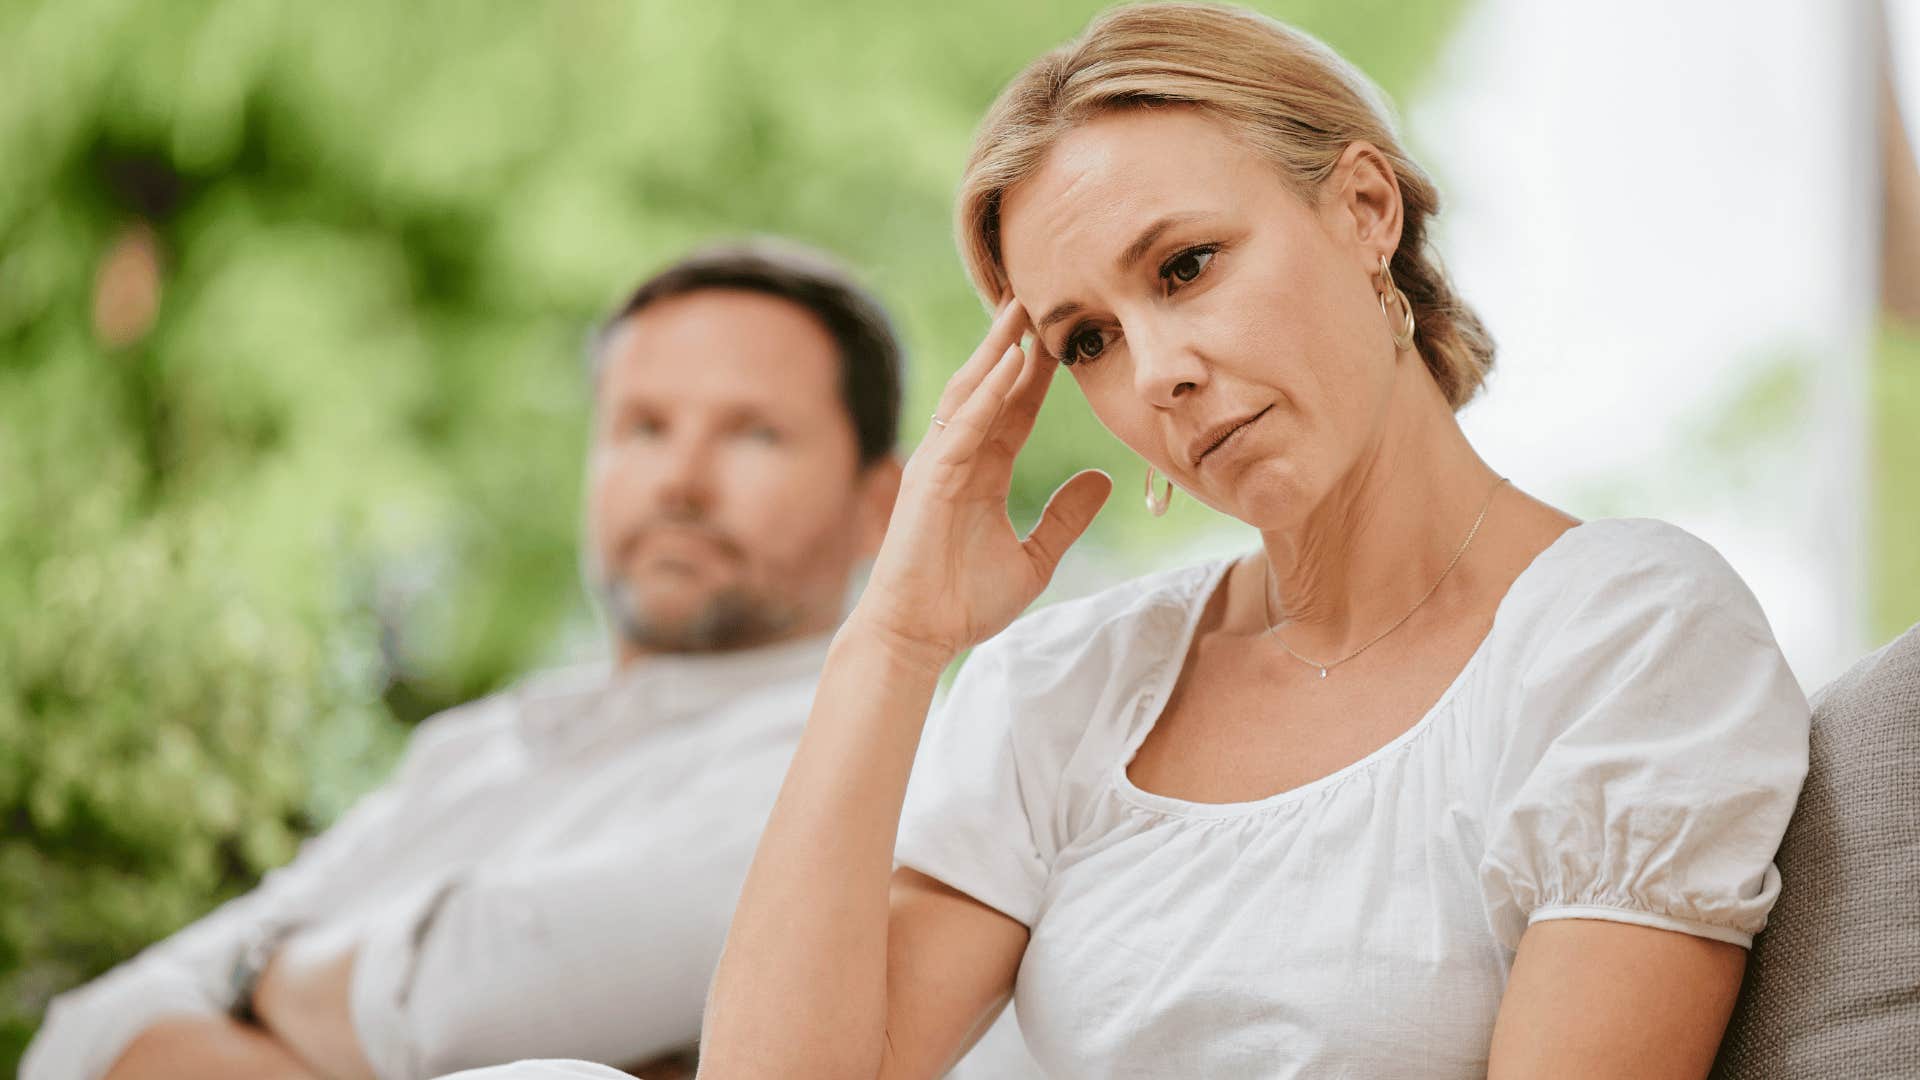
x=1626, y=744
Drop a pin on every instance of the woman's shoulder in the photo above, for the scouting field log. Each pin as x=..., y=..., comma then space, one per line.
x=1620, y=591
x=1141, y=618
x=1645, y=545
x=1038, y=711
x=1630, y=564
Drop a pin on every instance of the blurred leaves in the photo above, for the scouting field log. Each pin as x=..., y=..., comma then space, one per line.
x=291, y=299
x=1895, y=571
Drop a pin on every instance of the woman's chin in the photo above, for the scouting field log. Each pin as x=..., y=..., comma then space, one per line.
x=1267, y=495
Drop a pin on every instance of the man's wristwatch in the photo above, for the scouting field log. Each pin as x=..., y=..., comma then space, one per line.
x=256, y=952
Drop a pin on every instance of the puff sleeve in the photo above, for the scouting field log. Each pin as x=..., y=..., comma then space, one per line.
x=973, y=798
x=1657, y=743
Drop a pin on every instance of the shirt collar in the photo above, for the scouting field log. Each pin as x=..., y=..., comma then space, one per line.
x=575, y=707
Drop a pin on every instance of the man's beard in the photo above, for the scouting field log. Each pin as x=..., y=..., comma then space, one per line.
x=731, y=618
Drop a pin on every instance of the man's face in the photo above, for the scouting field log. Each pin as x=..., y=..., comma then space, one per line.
x=726, y=502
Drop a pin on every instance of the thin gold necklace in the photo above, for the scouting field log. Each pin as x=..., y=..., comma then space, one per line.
x=1266, y=596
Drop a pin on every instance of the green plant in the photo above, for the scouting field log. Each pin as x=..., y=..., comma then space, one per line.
x=324, y=481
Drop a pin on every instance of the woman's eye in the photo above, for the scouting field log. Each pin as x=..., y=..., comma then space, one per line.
x=1186, y=266
x=1083, y=345
x=762, y=433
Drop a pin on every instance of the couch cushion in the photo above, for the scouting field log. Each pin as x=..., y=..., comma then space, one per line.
x=1833, y=983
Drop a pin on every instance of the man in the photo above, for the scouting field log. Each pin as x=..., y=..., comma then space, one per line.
x=551, y=870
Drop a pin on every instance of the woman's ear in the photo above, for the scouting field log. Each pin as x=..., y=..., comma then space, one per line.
x=1365, y=202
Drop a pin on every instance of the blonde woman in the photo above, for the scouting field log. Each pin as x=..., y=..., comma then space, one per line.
x=1438, y=782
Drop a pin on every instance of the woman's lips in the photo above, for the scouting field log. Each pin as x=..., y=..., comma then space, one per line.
x=1222, y=439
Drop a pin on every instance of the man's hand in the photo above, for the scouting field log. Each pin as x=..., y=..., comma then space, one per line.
x=206, y=1048
x=302, y=999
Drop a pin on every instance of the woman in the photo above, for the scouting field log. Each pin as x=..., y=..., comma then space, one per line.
x=1439, y=782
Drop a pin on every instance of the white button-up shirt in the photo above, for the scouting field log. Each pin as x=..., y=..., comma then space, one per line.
x=549, y=872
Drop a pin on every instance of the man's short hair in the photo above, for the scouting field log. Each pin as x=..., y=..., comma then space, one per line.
x=870, y=378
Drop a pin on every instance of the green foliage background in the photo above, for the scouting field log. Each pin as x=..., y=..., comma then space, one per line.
x=335, y=487
x=1895, y=574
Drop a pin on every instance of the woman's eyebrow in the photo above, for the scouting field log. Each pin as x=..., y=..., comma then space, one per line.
x=1148, y=236
x=1060, y=311
x=1141, y=244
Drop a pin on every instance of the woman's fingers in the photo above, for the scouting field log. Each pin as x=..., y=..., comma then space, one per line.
x=1068, y=513
x=1023, y=403
x=1008, y=322
x=974, y=420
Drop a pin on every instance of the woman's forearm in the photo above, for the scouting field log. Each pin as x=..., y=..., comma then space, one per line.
x=801, y=987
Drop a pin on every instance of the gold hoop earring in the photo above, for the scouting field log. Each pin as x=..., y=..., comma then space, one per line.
x=1402, y=334
x=1157, y=503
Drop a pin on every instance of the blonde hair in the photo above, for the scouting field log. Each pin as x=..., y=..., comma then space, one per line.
x=1294, y=100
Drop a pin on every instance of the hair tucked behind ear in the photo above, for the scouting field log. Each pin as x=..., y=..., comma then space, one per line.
x=1290, y=96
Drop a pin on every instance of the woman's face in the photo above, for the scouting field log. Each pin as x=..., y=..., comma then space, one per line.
x=1220, y=326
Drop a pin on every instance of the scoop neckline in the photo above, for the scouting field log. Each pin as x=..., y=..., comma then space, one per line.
x=1161, y=688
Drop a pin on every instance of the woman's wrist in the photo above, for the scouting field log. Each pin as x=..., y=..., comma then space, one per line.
x=866, y=635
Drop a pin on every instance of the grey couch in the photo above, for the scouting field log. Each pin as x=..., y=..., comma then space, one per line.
x=1833, y=983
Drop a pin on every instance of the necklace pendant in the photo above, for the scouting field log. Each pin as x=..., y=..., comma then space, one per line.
x=1323, y=673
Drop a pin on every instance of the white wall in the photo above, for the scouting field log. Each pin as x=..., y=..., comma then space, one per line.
x=1661, y=209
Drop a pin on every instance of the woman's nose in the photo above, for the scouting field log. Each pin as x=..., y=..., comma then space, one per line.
x=1166, y=367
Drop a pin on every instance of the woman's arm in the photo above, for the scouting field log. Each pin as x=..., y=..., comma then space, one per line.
x=802, y=984
x=951, y=961
x=1589, y=999
x=834, y=967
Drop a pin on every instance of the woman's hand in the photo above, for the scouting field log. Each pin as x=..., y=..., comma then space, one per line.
x=951, y=571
